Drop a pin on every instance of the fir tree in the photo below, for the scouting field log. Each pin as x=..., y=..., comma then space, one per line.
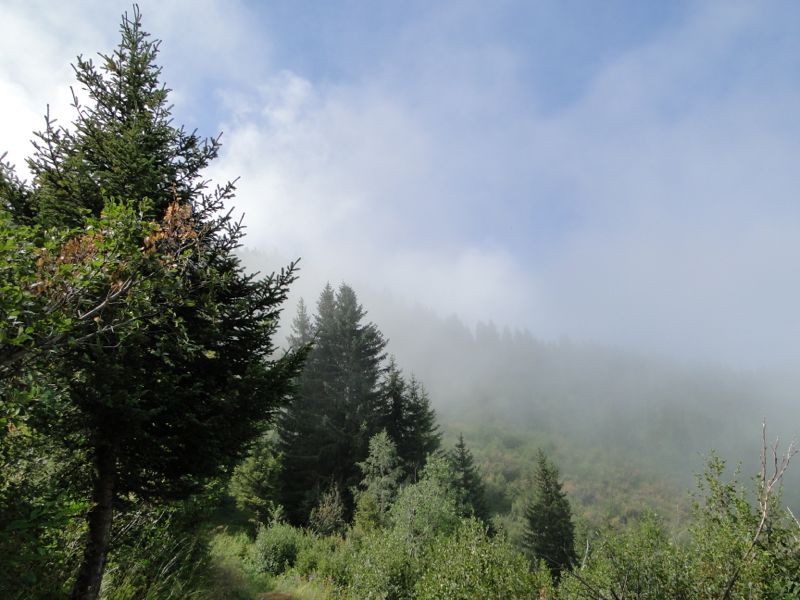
x=326, y=429
x=161, y=406
x=302, y=329
x=409, y=419
x=549, y=533
x=254, y=483
x=468, y=481
x=382, y=475
x=422, y=435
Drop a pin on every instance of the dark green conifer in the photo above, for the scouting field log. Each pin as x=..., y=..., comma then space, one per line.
x=161, y=406
x=409, y=419
x=326, y=429
x=422, y=436
x=549, y=532
x=468, y=481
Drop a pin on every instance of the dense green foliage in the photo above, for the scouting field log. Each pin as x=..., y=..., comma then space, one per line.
x=276, y=547
x=471, y=564
x=725, y=556
x=254, y=483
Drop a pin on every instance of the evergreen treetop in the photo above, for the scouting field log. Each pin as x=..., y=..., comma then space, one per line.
x=468, y=481
x=549, y=532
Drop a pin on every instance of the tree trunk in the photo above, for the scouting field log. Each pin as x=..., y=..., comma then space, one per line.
x=90, y=575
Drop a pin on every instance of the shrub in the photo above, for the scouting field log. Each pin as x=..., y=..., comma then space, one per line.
x=385, y=568
x=639, y=560
x=316, y=551
x=469, y=564
x=328, y=516
x=426, y=508
x=276, y=548
x=338, y=565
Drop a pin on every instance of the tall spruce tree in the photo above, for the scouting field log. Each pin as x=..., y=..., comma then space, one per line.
x=422, y=436
x=161, y=406
x=302, y=329
x=347, y=394
x=409, y=419
x=549, y=533
x=468, y=481
x=325, y=430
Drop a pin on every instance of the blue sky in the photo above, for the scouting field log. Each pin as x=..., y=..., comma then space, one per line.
x=622, y=172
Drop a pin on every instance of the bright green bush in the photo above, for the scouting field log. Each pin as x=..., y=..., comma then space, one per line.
x=424, y=510
x=314, y=553
x=469, y=564
x=338, y=565
x=640, y=560
x=276, y=548
x=385, y=568
x=722, y=557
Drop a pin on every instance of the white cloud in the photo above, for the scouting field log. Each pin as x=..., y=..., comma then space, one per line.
x=674, y=171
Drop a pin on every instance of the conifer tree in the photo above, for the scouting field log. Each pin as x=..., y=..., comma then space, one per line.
x=422, y=434
x=382, y=475
x=302, y=329
x=468, y=481
x=549, y=533
x=409, y=419
x=254, y=482
x=325, y=430
x=165, y=404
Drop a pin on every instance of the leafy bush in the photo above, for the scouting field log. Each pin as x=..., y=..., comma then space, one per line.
x=385, y=568
x=426, y=508
x=338, y=565
x=470, y=564
x=724, y=555
x=314, y=553
x=276, y=548
x=640, y=560
x=728, y=553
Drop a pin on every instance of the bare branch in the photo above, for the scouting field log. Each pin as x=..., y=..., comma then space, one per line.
x=766, y=488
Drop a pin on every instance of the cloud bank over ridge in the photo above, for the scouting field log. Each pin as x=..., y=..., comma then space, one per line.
x=635, y=185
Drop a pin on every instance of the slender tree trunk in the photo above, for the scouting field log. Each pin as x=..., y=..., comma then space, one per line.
x=90, y=575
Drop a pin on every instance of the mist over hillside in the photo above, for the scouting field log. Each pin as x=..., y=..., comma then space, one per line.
x=657, y=413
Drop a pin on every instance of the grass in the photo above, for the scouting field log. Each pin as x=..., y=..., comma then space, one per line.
x=232, y=578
